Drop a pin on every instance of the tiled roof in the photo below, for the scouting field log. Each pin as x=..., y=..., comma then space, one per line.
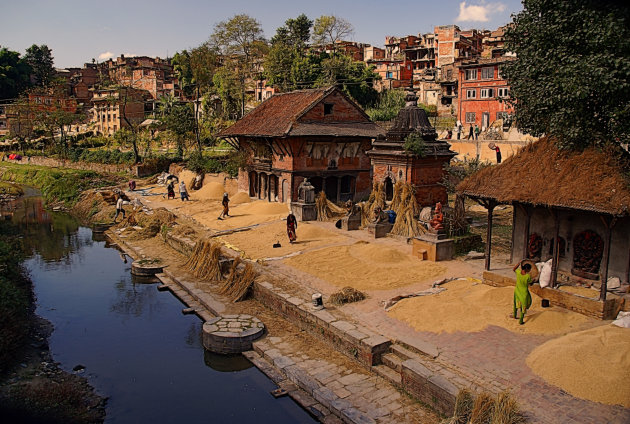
x=541, y=174
x=277, y=116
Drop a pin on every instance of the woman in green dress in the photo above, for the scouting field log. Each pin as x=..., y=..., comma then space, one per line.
x=522, y=298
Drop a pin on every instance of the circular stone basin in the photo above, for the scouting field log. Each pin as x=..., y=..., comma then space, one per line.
x=145, y=269
x=231, y=333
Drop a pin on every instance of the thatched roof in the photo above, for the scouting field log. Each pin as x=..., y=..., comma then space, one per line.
x=541, y=174
x=278, y=117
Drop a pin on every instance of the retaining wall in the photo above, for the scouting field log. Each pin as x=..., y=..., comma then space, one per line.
x=135, y=170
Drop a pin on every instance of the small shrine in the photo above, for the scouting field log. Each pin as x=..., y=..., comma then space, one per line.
x=305, y=209
x=391, y=162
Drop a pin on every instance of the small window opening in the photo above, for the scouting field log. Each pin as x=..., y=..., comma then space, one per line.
x=328, y=108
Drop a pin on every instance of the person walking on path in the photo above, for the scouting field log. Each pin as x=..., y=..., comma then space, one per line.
x=182, y=191
x=226, y=206
x=471, y=134
x=522, y=298
x=170, y=189
x=459, y=129
x=119, y=208
x=291, y=227
x=477, y=131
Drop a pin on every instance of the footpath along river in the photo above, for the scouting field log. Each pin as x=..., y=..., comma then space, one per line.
x=137, y=347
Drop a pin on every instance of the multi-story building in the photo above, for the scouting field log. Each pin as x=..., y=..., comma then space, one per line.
x=483, y=92
x=115, y=108
x=154, y=75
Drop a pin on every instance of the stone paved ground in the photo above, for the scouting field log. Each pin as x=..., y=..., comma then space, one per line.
x=341, y=385
x=493, y=358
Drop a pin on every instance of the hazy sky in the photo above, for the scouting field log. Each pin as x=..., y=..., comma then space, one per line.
x=78, y=31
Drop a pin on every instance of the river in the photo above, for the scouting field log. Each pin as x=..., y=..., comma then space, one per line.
x=137, y=347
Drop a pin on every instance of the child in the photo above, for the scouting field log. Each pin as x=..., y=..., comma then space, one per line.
x=522, y=298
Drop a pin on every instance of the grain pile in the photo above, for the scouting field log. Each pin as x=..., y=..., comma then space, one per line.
x=365, y=266
x=257, y=243
x=592, y=364
x=212, y=191
x=471, y=307
x=240, y=197
x=188, y=177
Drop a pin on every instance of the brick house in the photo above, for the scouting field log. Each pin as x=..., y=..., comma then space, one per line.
x=319, y=134
x=111, y=105
x=482, y=92
x=392, y=163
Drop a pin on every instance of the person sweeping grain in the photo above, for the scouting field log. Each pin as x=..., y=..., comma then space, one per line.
x=522, y=297
x=119, y=208
x=291, y=227
x=226, y=206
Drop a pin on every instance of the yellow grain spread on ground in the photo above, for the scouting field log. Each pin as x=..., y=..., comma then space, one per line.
x=258, y=242
x=593, y=364
x=466, y=306
x=365, y=266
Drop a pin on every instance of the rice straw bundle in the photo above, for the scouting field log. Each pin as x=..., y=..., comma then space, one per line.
x=204, y=261
x=346, y=295
x=506, y=410
x=327, y=209
x=406, y=223
x=483, y=409
x=238, y=284
x=397, y=197
x=375, y=200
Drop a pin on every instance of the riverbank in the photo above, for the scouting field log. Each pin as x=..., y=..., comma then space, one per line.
x=33, y=387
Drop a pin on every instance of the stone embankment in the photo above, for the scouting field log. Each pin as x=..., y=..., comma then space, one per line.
x=333, y=391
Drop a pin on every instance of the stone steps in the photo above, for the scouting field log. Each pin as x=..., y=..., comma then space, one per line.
x=388, y=374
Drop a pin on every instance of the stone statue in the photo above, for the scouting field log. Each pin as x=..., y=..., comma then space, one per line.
x=438, y=218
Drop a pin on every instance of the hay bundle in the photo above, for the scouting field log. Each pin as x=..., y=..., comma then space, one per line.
x=375, y=200
x=407, y=224
x=204, y=261
x=482, y=409
x=239, y=281
x=506, y=410
x=327, y=209
x=346, y=295
x=463, y=407
x=397, y=197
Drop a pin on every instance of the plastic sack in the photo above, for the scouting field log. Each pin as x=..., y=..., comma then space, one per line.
x=545, y=274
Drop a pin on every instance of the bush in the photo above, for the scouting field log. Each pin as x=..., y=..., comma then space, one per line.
x=414, y=144
x=229, y=164
x=457, y=171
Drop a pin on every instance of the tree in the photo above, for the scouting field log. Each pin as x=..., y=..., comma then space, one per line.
x=14, y=74
x=41, y=60
x=330, y=29
x=240, y=40
x=181, y=122
x=571, y=78
x=295, y=33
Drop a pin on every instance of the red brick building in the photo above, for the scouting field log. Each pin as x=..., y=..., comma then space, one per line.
x=319, y=134
x=112, y=105
x=392, y=163
x=482, y=92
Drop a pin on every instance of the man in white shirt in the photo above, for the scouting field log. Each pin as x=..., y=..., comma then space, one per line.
x=119, y=208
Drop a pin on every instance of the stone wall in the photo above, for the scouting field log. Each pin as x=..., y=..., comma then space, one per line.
x=134, y=170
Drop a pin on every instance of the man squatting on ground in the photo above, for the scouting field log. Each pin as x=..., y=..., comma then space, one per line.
x=522, y=297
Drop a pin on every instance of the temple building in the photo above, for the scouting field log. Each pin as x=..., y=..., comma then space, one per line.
x=319, y=134
x=391, y=162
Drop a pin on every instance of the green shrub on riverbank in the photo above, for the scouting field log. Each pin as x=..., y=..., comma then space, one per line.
x=57, y=185
x=16, y=298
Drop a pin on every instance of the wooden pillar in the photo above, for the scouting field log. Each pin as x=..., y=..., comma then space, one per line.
x=338, y=189
x=490, y=205
x=555, y=258
x=606, y=258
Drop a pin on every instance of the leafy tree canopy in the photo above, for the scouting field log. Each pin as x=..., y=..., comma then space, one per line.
x=330, y=29
x=294, y=33
x=571, y=78
x=14, y=74
x=41, y=60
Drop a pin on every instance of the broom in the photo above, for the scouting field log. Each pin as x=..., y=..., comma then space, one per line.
x=204, y=260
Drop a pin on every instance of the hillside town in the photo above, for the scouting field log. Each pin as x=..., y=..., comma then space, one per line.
x=308, y=228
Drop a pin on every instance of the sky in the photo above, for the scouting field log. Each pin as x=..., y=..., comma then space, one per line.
x=78, y=31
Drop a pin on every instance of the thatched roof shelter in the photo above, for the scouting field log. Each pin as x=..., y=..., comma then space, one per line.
x=573, y=190
x=541, y=174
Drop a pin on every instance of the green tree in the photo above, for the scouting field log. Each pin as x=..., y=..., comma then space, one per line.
x=296, y=32
x=14, y=74
x=181, y=122
x=41, y=61
x=240, y=40
x=331, y=29
x=571, y=78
